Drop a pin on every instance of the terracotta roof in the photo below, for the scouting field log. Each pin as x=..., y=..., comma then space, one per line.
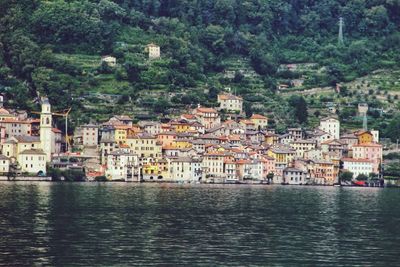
x=229, y=97
x=32, y=152
x=368, y=145
x=55, y=130
x=258, y=117
x=357, y=160
x=362, y=132
x=206, y=110
x=4, y=111
x=246, y=122
x=17, y=121
x=329, y=118
x=27, y=138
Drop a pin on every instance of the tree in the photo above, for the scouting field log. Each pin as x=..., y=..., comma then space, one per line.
x=345, y=176
x=161, y=106
x=393, y=129
x=299, y=105
x=362, y=177
x=270, y=177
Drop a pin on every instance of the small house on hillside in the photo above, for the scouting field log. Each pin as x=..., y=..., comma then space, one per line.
x=153, y=51
x=109, y=60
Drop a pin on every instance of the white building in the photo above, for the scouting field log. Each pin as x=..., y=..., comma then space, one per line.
x=46, y=129
x=358, y=166
x=230, y=103
x=90, y=135
x=122, y=165
x=4, y=164
x=294, y=176
x=153, y=50
x=109, y=60
x=375, y=136
x=33, y=161
x=185, y=169
x=331, y=126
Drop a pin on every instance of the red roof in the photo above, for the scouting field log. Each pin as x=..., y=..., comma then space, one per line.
x=206, y=110
x=368, y=145
x=357, y=160
x=258, y=117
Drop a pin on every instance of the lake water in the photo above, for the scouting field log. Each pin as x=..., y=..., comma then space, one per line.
x=167, y=225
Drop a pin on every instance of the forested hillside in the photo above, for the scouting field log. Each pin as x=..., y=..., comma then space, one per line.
x=54, y=48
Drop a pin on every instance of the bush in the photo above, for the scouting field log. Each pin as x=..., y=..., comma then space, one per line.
x=100, y=178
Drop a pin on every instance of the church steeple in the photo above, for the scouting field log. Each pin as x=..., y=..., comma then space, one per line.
x=46, y=128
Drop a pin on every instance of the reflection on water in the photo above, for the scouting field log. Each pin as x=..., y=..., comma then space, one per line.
x=129, y=224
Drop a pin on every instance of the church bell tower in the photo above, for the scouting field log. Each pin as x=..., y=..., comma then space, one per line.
x=46, y=128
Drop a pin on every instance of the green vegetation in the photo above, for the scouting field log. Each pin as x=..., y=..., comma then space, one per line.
x=54, y=48
x=346, y=176
x=68, y=175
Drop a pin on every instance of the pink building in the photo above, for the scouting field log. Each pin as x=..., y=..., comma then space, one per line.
x=268, y=165
x=370, y=151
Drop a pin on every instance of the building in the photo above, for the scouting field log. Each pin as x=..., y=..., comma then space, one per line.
x=294, y=176
x=338, y=147
x=90, y=135
x=370, y=151
x=268, y=166
x=121, y=133
x=301, y=146
x=208, y=117
x=230, y=102
x=109, y=60
x=46, y=129
x=14, y=127
x=166, y=138
x=332, y=126
x=362, y=109
x=106, y=147
x=153, y=51
x=213, y=164
x=122, y=165
x=364, y=137
x=250, y=169
x=325, y=171
x=33, y=161
x=13, y=146
x=4, y=164
x=297, y=133
x=186, y=169
x=146, y=146
x=260, y=121
x=358, y=166
x=282, y=154
x=150, y=127
x=119, y=120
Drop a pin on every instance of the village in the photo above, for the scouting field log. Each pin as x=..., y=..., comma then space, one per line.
x=197, y=147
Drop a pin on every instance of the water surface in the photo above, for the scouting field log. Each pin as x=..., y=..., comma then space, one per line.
x=86, y=224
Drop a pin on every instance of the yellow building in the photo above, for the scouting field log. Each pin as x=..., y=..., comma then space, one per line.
x=16, y=144
x=181, y=127
x=145, y=146
x=150, y=169
x=302, y=146
x=282, y=154
x=364, y=137
x=271, y=139
x=230, y=102
x=121, y=133
x=181, y=144
x=260, y=121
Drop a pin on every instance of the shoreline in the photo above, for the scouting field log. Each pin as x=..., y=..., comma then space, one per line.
x=190, y=184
